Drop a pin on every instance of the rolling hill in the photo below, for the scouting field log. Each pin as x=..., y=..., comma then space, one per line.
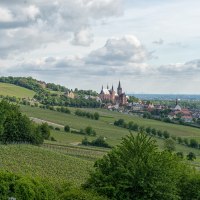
x=64, y=159
x=104, y=127
x=13, y=90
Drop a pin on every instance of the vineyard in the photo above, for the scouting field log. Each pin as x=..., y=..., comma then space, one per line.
x=44, y=163
x=80, y=152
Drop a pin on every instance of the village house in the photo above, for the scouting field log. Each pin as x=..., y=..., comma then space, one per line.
x=70, y=94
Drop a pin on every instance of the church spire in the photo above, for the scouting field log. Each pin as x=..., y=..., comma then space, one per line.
x=119, y=89
x=119, y=86
x=112, y=87
x=107, y=86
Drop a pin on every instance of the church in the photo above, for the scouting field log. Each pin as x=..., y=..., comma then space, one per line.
x=115, y=97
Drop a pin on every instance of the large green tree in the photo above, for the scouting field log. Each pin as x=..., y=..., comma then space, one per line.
x=15, y=127
x=137, y=170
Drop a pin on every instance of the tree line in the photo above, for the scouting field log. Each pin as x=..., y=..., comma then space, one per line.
x=89, y=115
x=157, y=133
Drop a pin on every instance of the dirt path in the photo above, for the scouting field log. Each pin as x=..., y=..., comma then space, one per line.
x=39, y=121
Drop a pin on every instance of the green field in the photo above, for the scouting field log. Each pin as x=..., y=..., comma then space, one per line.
x=44, y=163
x=13, y=90
x=105, y=127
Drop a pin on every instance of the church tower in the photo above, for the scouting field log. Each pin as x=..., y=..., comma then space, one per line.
x=119, y=89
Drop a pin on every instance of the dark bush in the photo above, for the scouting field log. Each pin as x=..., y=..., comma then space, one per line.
x=67, y=128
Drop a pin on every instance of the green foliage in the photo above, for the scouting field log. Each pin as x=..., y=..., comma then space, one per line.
x=147, y=115
x=15, y=127
x=180, y=140
x=24, y=187
x=67, y=128
x=137, y=170
x=80, y=194
x=166, y=134
x=98, y=142
x=180, y=154
x=169, y=145
x=190, y=187
x=45, y=130
x=90, y=131
x=57, y=128
x=96, y=116
x=87, y=114
x=194, y=143
x=120, y=123
x=191, y=156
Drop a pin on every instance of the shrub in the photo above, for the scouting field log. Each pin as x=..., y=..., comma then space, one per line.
x=90, y=131
x=67, y=128
x=85, y=141
x=191, y=156
x=96, y=116
x=45, y=130
x=148, y=130
x=57, y=129
x=100, y=142
x=194, y=143
x=166, y=134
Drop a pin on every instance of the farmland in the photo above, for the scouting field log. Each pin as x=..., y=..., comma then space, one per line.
x=104, y=127
x=44, y=163
x=13, y=90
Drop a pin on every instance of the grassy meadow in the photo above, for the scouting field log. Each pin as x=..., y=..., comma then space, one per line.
x=13, y=90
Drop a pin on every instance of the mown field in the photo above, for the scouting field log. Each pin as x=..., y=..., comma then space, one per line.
x=13, y=90
x=44, y=163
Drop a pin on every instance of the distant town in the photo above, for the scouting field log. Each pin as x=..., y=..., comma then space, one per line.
x=174, y=113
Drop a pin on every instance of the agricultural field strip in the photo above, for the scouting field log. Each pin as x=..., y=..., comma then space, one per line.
x=13, y=90
x=77, y=152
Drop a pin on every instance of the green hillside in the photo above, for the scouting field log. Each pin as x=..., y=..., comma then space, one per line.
x=13, y=90
x=104, y=127
x=44, y=163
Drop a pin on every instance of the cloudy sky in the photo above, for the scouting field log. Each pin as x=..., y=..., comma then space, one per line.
x=152, y=46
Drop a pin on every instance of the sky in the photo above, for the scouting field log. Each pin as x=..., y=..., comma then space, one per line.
x=151, y=46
